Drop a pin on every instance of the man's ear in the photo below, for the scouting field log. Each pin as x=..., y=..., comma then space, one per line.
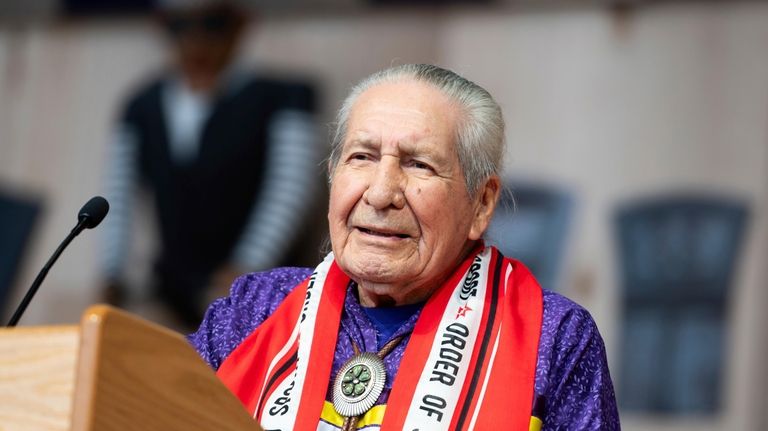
x=486, y=199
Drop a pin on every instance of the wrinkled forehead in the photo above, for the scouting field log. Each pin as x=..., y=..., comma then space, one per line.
x=407, y=113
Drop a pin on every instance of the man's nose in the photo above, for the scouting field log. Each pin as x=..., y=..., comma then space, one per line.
x=386, y=185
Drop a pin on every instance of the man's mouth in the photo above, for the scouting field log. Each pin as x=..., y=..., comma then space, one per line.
x=384, y=234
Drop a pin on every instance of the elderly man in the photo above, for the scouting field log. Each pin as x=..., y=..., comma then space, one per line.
x=411, y=323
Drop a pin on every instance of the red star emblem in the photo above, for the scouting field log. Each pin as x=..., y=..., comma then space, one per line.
x=463, y=311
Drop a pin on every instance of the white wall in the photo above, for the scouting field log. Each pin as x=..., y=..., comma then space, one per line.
x=59, y=86
x=666, y=98
x=670, y=98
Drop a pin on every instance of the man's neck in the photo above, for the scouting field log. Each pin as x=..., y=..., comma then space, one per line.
x=373, y=294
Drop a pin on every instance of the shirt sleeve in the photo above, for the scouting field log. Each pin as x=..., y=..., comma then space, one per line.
x=286, y=193
x=252, y=299
x=577, y=385
x=120, y=179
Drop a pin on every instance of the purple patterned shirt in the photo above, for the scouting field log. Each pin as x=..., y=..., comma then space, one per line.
x=571, y=372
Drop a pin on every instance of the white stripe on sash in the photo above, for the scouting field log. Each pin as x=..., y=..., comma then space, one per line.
x=280, y=355
x=438, y=389
x=491, y=361
x=285, y=399
x=486, y=379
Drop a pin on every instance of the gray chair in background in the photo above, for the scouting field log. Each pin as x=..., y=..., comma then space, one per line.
x=678, y=255
x=17, y=219
x=531, y=224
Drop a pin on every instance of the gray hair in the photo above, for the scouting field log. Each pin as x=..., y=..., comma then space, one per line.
x=480, y=135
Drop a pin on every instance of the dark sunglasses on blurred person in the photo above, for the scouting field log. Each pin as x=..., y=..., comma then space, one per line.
x=211, y=24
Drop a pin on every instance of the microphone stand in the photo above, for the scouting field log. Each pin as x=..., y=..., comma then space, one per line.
x=43, y=272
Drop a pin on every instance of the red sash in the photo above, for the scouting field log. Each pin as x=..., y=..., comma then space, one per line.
x=490, y=303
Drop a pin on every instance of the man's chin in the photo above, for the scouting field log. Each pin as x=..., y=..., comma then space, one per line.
x=379, y=276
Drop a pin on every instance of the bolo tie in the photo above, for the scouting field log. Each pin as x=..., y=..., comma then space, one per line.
x=359, y=383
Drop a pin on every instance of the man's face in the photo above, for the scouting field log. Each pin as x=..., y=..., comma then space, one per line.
x=400, y=215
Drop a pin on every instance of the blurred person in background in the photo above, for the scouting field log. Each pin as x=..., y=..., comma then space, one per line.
x=228, y=156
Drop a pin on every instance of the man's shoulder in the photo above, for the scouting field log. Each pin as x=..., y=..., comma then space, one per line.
x=560, y=305
x=267, y=287
x=276, y=283
x=252, y=299
x=564, y=319
x=572, y=370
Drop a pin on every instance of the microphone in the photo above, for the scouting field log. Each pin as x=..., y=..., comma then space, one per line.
x=93, y=212
x=90, y=215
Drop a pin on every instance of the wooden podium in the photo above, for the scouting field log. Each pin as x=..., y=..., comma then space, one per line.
x=113, y=372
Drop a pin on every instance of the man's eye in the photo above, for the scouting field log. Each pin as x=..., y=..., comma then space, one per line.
x=420, y=165
x=359, y=156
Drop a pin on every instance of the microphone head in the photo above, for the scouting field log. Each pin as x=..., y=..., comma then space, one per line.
x=93, y=212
